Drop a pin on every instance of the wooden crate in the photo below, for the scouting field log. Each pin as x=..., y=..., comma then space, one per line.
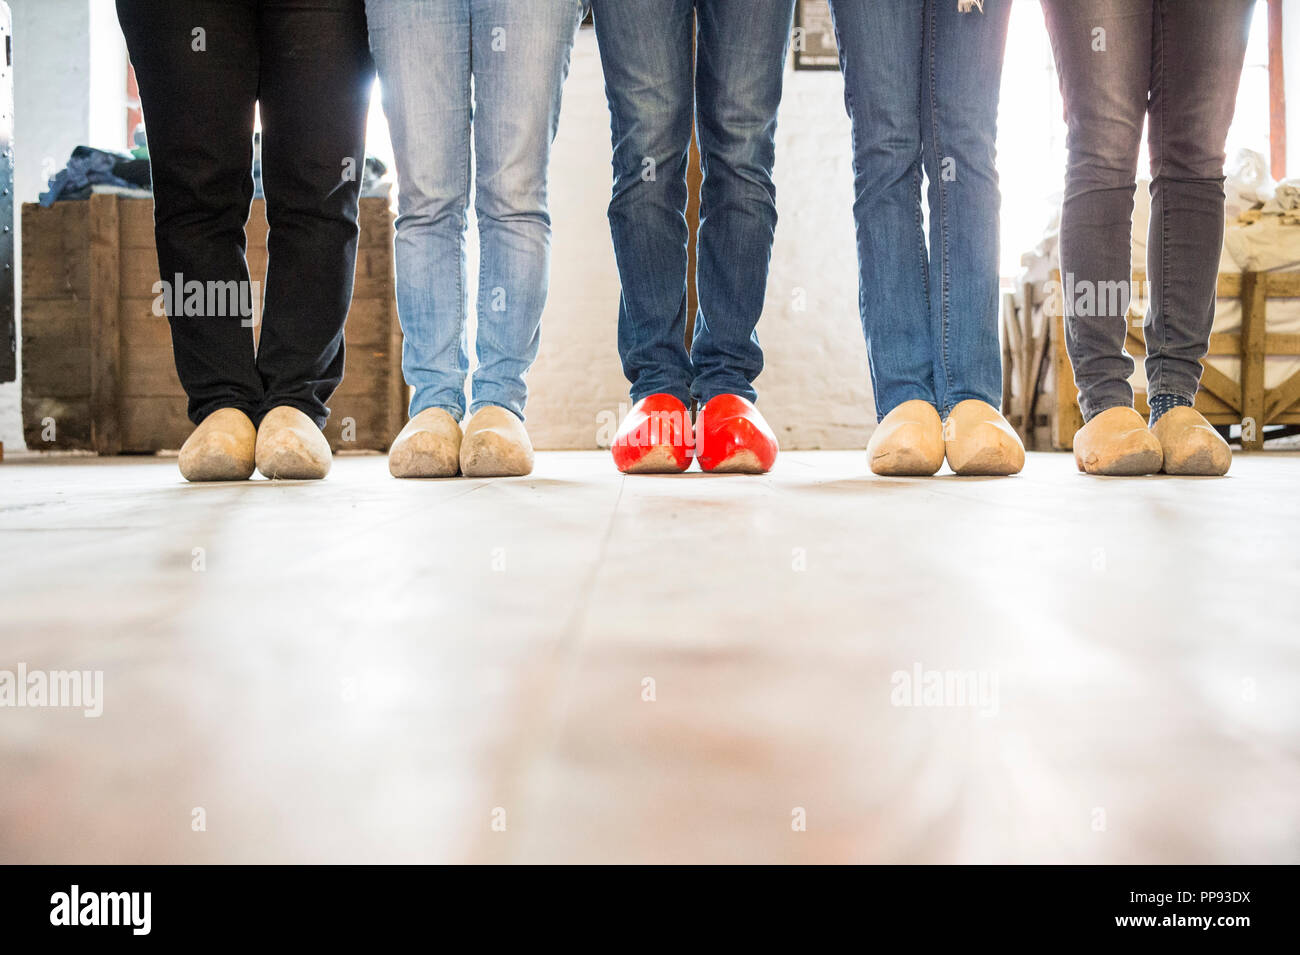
x=1038, y=380
x=97, y=362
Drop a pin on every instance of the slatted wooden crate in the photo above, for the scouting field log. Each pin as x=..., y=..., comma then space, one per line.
x=97, y=362
x=1038, y=380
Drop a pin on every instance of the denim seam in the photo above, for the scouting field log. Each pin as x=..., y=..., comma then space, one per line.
x=942, y=212
x=1105, y=406
x=848, y=103
x=481, y=336
x=452, y=410
x=924, y=253
x=1157, y=384
x=251, y=409
x=462, y=306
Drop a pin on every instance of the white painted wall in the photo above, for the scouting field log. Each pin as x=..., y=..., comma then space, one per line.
x=815, y=390
x=52, y=85
x=577, y=374
x=108, y=64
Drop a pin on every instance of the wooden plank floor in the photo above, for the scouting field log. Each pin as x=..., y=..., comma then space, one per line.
x=366, y=669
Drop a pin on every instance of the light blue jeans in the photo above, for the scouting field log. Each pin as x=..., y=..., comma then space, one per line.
x=492, y=70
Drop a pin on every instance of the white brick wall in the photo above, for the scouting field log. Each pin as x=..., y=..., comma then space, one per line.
x=815, y=389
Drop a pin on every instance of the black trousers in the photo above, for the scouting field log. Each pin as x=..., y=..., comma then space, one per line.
x=202, y=67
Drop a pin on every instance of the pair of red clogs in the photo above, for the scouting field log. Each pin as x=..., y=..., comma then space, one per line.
x=729, y=435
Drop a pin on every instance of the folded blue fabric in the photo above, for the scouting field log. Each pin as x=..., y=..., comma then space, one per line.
x=90, y=167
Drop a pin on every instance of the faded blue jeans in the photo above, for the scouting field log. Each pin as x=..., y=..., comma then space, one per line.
x=1176, y=65
x=921, y=84
x=493, y=70
x=730, y=93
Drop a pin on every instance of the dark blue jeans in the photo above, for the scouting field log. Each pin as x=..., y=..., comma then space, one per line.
x=1176, y=64
x=921, y=83
x=655, y=94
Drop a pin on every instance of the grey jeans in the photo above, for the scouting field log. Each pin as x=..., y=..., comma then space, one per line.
x=1176, y=63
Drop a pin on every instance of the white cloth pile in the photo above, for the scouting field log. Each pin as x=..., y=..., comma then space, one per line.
x=1262, y=234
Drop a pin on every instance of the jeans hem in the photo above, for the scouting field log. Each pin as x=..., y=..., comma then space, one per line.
x=479, y=404
x=455, y=411
x=198, y=416
x=911, y=394
x=1104, y=406
x=707, y=395
x=954, y=400
x=310, y=410
x=683, y=395
x=1173, y=392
